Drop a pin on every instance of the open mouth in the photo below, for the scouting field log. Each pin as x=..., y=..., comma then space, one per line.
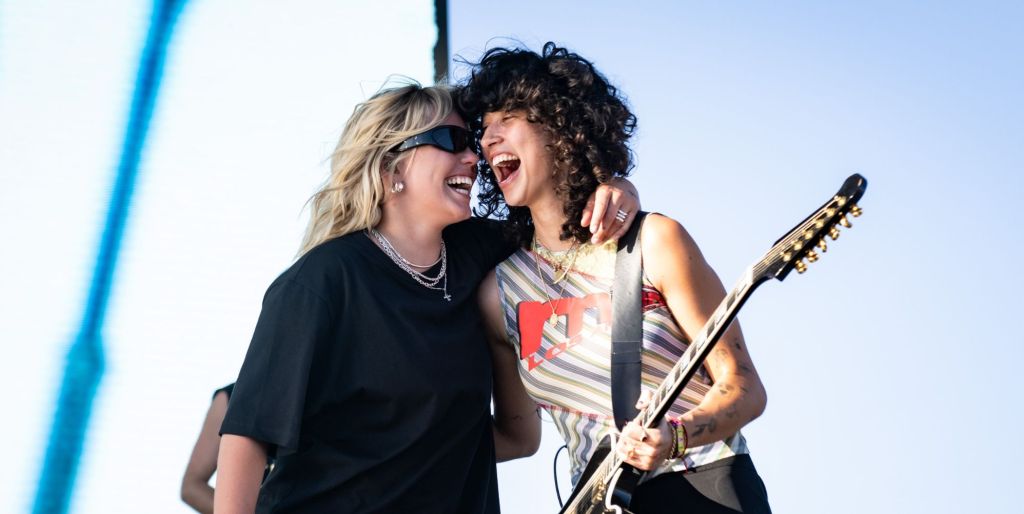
x=460, y=184
x=505, y=166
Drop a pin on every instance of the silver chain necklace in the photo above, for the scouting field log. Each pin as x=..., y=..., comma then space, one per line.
x=422, y=278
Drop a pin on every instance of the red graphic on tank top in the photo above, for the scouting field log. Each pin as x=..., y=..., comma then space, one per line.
x=651, y=298
x=532, y=316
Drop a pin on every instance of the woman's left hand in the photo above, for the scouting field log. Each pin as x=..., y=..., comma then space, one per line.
x=601, y=214
x=645, y=449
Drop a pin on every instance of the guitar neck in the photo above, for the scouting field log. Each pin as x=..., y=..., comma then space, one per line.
x=687, y=365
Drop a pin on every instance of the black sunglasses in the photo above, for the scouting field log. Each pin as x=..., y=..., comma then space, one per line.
x=449, y=138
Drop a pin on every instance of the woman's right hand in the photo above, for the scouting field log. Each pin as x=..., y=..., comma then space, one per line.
x=601, y=214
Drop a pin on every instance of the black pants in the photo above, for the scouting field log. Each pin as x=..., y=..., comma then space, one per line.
x=725, y=486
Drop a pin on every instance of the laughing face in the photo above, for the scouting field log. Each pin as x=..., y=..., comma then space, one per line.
x=517, y=152
x=437, y=183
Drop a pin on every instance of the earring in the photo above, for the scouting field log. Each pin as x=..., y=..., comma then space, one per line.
x=397, y=187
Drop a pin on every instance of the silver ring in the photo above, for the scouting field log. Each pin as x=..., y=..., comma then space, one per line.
x=621, y=215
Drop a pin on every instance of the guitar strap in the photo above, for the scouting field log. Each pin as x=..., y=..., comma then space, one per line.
x=627, y=324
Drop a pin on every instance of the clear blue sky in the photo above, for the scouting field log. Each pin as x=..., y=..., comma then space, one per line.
x=892, y=365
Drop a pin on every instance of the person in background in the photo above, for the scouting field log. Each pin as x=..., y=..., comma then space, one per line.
x=195, y=485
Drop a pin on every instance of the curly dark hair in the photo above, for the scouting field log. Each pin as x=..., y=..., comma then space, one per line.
x=585, y=117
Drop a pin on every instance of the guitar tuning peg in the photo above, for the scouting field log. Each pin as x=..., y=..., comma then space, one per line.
x=797, y=245
x=856, y=211
x=840, y=200
x=844, y=222
x=812, y=256
x=808, y=234
x=800, y=266
x=833, y=233
x=786, y=256
x=822, y=245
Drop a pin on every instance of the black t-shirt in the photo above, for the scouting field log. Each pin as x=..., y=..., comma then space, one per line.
x=373, y=390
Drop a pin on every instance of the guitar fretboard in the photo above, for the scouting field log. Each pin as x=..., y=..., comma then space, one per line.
x=693, y=357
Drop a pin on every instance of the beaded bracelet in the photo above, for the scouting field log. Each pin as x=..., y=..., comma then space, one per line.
x=672, y=424
x=686, y=439
x=678, y=449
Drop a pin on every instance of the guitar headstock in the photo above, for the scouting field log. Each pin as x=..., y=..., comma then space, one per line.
x=807, y=238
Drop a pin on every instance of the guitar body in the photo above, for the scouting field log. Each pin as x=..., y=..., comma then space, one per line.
x=622, y=485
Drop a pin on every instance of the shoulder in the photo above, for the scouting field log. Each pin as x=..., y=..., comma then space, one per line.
x=481, y=238
x=331, y=253
x=332, y=257
x=479, y=229
x=660, y=229
x=666, y=243
x=325, y=270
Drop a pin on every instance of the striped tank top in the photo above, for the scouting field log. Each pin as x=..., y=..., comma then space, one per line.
x=562, y=335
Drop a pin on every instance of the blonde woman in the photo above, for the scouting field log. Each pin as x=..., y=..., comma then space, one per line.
x=368, y=375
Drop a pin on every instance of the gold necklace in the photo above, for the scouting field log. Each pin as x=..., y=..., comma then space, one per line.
x=558, y=263
x=558, y=267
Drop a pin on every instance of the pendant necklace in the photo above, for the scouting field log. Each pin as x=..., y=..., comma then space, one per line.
x=422, y=278
x=559, y=272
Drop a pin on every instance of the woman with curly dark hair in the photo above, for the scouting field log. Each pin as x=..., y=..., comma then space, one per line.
x=552, y=129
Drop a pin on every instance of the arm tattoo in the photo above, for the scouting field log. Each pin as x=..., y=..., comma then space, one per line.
x=710, y=426
x=743, y=369
x=731, y=411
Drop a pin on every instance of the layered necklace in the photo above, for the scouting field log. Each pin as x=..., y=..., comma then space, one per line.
x=422, y=278
x=561, y=265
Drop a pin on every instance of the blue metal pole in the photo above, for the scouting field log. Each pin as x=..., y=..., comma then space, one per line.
x=85, y=360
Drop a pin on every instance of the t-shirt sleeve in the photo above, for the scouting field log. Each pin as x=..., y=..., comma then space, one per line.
x=269, y=398
x=226, y=389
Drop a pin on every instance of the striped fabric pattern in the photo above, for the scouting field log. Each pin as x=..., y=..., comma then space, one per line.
x=568, y=374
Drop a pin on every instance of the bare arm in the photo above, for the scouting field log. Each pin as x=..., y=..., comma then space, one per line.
x=692, y=290
x=516, y=421
x=195, y=485
x=241, y=462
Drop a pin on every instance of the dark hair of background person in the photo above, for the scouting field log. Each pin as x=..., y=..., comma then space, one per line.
x=585, y=117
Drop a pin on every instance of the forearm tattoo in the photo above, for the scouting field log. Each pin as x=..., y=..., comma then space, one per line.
x=731, y=411
x=710, y=426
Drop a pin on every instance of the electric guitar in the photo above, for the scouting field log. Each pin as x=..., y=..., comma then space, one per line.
x=607, y=483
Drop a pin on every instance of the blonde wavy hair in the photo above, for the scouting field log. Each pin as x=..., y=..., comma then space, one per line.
x=350, y=200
